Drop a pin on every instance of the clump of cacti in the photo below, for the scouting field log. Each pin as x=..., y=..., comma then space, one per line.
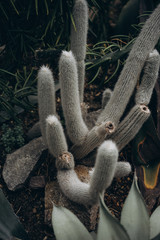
x=110, y=133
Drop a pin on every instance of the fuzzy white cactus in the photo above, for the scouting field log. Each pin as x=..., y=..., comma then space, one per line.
x=102, y=176
x=77, y=129
x=109, y=134
x=151, y=68
x=46, y=97
x=79, y=40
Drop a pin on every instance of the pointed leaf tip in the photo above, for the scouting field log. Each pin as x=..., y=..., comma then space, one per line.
x=134, y=215
x=109, y=227
x=67, y=226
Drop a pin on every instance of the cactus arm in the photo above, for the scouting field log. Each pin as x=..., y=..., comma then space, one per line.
x=126, y=130
x=106, y=96
x=57, y=144
x=55, y=136
x=79, y=32
x=126, y=83
x=81, y=79
x=73, y=188
x=122, y=169
x=46, y=97
x=79, y=40
x=130, y=126
x=102, y=177
x=94, y=138
x=105, y=166
x=76, y=128
x=151, y=68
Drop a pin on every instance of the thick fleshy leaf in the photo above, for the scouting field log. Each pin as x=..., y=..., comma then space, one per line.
x=134, y=215
x=155, y=223
x=9, y=223
x=109, y=227
x=94, y=235
x=67, y=226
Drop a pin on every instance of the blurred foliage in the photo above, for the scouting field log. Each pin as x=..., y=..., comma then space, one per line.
x=15, y=90
x=12, y=137
x=32, y=24
x=42, y=28
x=28, y=26
x=105, y=59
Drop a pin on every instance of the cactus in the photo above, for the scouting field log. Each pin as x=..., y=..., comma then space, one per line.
x=79, y=40
x=46, y=97
x=109, y=134
x=151, y=68
x=77, y=129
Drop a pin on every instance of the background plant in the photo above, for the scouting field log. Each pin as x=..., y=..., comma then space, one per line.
x=26, y=26
x=106, y=58
x=15, y=88
x=12, y=137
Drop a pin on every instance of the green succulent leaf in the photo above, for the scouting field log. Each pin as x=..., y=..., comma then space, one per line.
x=67, y=226
x=109, y=227
x=134, y=215
x=9, y=223
x=155, y=223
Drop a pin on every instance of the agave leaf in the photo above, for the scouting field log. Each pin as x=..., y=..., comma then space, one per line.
x=155, y=223
x=109, y=227
x=9, y=223
x=67, y=226
x=94, y=235
x=134, y=215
